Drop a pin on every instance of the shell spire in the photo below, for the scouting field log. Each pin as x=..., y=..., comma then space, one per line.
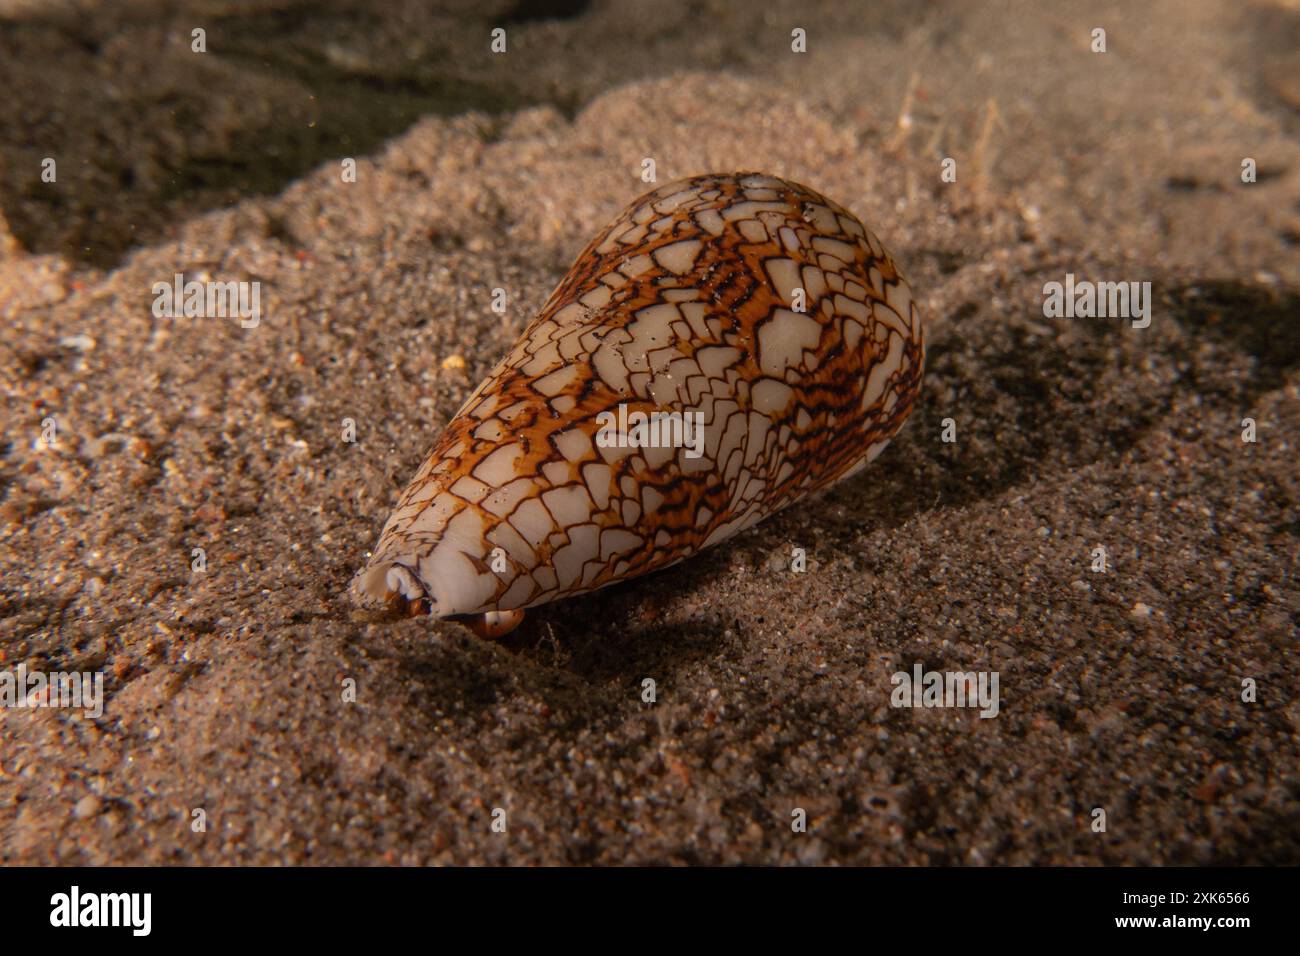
x=729, y=344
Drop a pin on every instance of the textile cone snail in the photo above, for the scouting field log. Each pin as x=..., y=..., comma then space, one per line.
x=728, y=345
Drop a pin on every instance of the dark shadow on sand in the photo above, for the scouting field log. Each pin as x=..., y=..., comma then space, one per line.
x=174, y=133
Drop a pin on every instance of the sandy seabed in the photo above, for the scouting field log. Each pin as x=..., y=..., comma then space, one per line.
x=1120, y=690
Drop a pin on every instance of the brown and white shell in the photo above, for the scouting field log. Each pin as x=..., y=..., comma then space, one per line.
x=743, y=303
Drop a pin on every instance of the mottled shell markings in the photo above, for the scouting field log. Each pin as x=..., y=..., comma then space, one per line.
x=756, y=302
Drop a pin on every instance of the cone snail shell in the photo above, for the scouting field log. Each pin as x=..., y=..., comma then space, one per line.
x=729, y=344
